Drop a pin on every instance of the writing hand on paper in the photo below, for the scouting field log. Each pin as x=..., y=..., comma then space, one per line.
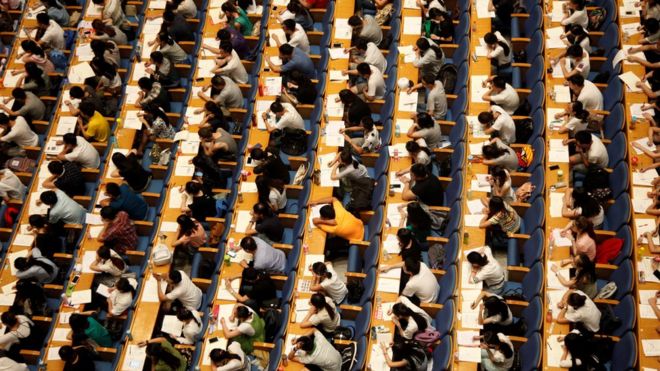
x=554, y=268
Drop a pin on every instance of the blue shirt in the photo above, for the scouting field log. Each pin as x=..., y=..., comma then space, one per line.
x=130, y=202
x=301, y=62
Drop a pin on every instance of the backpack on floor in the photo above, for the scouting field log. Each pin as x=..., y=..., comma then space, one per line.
x=448, y=75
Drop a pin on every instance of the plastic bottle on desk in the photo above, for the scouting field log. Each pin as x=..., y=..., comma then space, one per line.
x=548, y=315
x=396, y=154
x=305, y=248
x=379, y=307
x=129, y=336
x=397, y=130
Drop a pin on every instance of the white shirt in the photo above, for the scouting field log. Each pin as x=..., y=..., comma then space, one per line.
x=575, y=124
x=424, y=285
x=108, y=266
x=333, y=286
x=508, y=99
x=235, y=364
x=597, y=153
x=246, y=328
x=121, y=301
x=13, y=337
x=54, y=36
x=290, y=119
x=84, y=153
x=277, y=199
x=588, y=314
x=504, y=124
x=375, y=84
x=498, y=52
x=577, y=17
x=235, y=69
x=375, y=57
x=188, y=294
x=590, y=96
x=437, y=101
x=191, y=330
x=8, y=364
x=298, y=39
x=584, y=66
x=324, y=355
x=11, y=186
x=21, y=134
x=187, y=9
x=412, y=327
x=492, y=273
x=322, y=317
x=498, y=356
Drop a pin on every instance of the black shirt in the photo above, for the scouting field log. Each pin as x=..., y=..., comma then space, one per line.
x=203, y=207
x=71, y=181
x=271, y=227
x=414, y=252
x=274, y=168
x=260, y=291
x=85, y=361
x=180, y=29
x=357, y=111
x=429, y=191
x=134, y=174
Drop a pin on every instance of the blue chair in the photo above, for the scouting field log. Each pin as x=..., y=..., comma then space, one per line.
x=390, y=81
x=531, y=284
x=357, y=262
x=360, y=325
x=617, y=149
x=374, y=227
x=293, y=257
x=386, y=110
x=538, y=127
x=447, y=285
x=284, y=313
x=533, y=316
x=535, y=46
x=531, y=251
x=463, y=27
x=295, y=206
x=626, y=250
x=287, y=289
x=462, y=75
x=368, y=283
x=458, y=158
x=458, y=131
x=537, y=97
x=459, y=105
x=442, y=354
x=533, y=218
x=454, y=190
x=613, y=123
x=454, y=220
x=360, y=354
x=522, y=78
x=624, y=277
x=619, y=179
x=530, y=353
x=275, y=356
x=612, y=94
x=386, y=133
x=380, y=189
x=444, y=320
x=538, y=146
x=618, y=214
x=624, y=355
x=538, y=180
x=625, y=311
x=461, y=53
x=382, y=164
x=531, y=24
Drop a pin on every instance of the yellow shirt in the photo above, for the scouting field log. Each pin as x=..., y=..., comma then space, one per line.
x=348, y=226
x=98, y=128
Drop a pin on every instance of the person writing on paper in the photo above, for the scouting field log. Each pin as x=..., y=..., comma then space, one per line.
x=177, y=26
x=192, y=326
x=87, y=328
x=224, y=91
x=499, y=53
x=249, y=328
x=182, y=291
x=422, y=286
x=31, y=298
x=190, y=235
x=494, y=313
x=123, y=198
x=118, y=230
x=16, y=327
x=408, y=318
x=232, y=359
x=497, y=153
x=499, y=219
x=578, y=59
x=267, y=161
x=428, y=58
x=500, y=185
x=406, y=355
x=162, y=70
x=195, y=201
x=426, y=128
x=108, y=79
x=121, y=296
x=348, y=170
x=355, y=109
x=335, y=220
x=327, y=281
x=497, y=352
x=438, y=27
x=496, y=119
x=91, y=124
x=108, y=32
x=586, y=92
x=585, y=274
x=152, y=94
x=26, y=104
x=131, y=171
x=34, y=79
x=237, y=18
x=286, y=116
x=11, y=186
x=369, y=142
x=436, y=102
x=34, y=53
x=422, y=186
x=295, y=36
x=583, y=351
x=578, y=202
x=17, y=134
x=62, y=208
x=409, y=249
x=293, y=59
x=501, y=94
x=366, y=52
x=315, y=352
x=322, y=314
x=257, y=289
x=418, y=155
x=49, y=34
x=185, y=8
x=575, y=121
x=581, y=233
x=169, y=48
x=157, y=126
x=214, y=117
x=577, y=308
x=65, y=176
x=575, y=12
x=219, y=145
x=77, y=358
x=265, y=224
x=164, y=356
x=271, y=192
x=417, y=217
x=35, y=267
x=486, y=269
x=373, y=86
x=265, y=256
x=87, y=93
x=299, y=89
x=109, y=264
x=366, y=28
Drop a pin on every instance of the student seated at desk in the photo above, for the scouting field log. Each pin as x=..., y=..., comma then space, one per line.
x=369, y=142
x=108, y=32
x=410, y=248
x=11, y=186
x=123, y=198
x=16, y=328
x=651, y=31
x=578, y=202
x=500, y=185
x=219, y=145
x=355, y=109
x=502, y=94
x=348, y=170
x=26, y=104
x=131, y=171
x=409, y=319
x=62, y=208
x=232, y=37
x=9, y=364
x=575, y=121
x=439, y=26
x=496, y=119
x=152, y=93
x=428, y=58
x=406, y=355
x=170, y=49
x=257, y=289
x=118, y=230
x=497, y=352
x=182, y=292
x=77, y=358
x=286, y=116
x=422, y=186
x=41, y=229
x=577, y=308
x=249, y=328
x=85, y=328
x=426, y=128
x=17, y=135
x=265, y=256
x=293, y=59
x=265, y=224
x=110, y=266
x=49, y=33
x=33, y=79
x=583, y=350
x=34, y=53
x=366, y=28
x=185, y=8
x=486, y=269
x=436, y=101
x=162, y=70
x=372, y=84
x=322, y=314
x=340, y=225
x=586, y=92
x=366, y=52
x=108, y=50
x=499, y=221
x=195, y=201
x=237, y=18
x=418, y=218
x=575, y=12
x=584, y=278
x=177, y=26
x=497, y=153
x=190, y=235
x=224, y=91
x=422, y=286
x=294, y=10
x=267, y=161
x=271, y=192
x=192, y=326
x=164, y=356
x=156, y=125
x=590, y=151
x=232, y=359
x=31, y=298
x=36, y=267
x=229, y=64
x=91, y=124
x=88, y=94
x=121, y=297
x=109, y=80
x=295, y=36
x=327, y=281
x=581, y=233
x=299, y=89
x=499, y=54
x=494, y=313
x=214, y=117
x=209, y=173
x=578, y=60
x=315, y=352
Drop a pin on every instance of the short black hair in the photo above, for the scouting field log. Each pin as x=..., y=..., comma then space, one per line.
x=108, y=212
x=289, y=23
x=48, y=197
x=412, y=265
x=476, y=258
x=286, y=49
x=577, y=80
x=419, y=170
x=327, y=212
x=18, y=93
x=145, y=83
x=4, y=119
x=157, y=57
x=364, y=69
x=113, y=189
x=55, y=167
x=76, y=92
x=485, y=117
x=583, y=137
x=70, y=138
x=43, y=18
x=355, y=21
x=248, y=244
x=175, y=276
x=87, y=108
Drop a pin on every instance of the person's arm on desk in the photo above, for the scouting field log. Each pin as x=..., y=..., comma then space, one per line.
x=272, y=66
x=161, y=295
x=389, y=361
x=407, y=194
x=485, y=223
x=323, y=201
x=240, y=298
x=562, y=280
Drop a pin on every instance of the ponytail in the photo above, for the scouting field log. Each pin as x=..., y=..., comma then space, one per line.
x=504, y=46
x=319, y=301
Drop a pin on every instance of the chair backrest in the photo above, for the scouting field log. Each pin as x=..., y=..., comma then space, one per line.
x=626, y=250
x=462, y=75
x=624, y=355
x=386, y=133
x=538, y=118
x=368, y=283
x=452, y=249
x=284, y=313
x=619, y=214
x=534, y=216
x=455, y=217
x=275, y=355
x=535, y=72
x=461, y=53
x=610, y=38
x=454, y=189
x=625, y=311
x=530, y=353
x=532, y=284
x=371, y=254
x=375, y=225
x=539, y=154
x=537, y=96
x=382, y=163
x=360, y=354
x=444, y=320
x=447, y=285
x=533, y=316
x=533, y=23
x=623, y=277
x=387, y=109
x=535, y=46
x=293, y=257
x=458, y=157
x=458, y=131
x=612, y=94
x=362, y=321
x=459, y=105
x=613, y=123
x=378, y=197
x=533, y=248
x=619, y=179
x=442, y=354
x=538, y=180
x=287, y=288
x=617, y=149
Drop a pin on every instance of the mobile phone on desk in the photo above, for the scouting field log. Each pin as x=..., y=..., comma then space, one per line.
x=75, y=279
x=213, y=340
x=554, y=167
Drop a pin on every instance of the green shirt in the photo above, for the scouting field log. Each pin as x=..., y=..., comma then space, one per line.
x=162, y=366
x=244, y=21
x=98, y=333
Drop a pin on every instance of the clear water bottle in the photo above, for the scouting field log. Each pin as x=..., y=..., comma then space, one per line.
x=397, y=130
x=129, y=336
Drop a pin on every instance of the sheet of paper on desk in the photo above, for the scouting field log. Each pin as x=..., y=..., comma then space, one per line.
x=131, y=94
x=412, y=25
x=314, y=213
x=406, y=50
x=558, y=154
x=302, y=308
x=189, y=147
x=220, y=343
x=23, y=34
x=476, y=207
x=553, y=280
x=333, y=137
x=184, y=167
x=60, y=334
x=95, y=231
x=157, y=4
x=391, y=274
x=7, y=299
x=630, y=28
x=273, y=85
x=205, y=68
x=240, y=256
x=400, y=147
x=94, y=219
x=93, y=10
x=395, y=181
x=626, y=50
x=169, y=227
x=388, y=285
x=554, y=123
x=150, y=290
x=643, y=225
x=469, y=354
x=557, y=71
x=556, y=204
x=81, y=297
x=53, y=354
x=248, y=187
x=482, y=10
x=630, y=79
x=34, y=209
x=410, y=4
x=562, y=94
x=646, y=265
x=10, y=79
x=477, y=89
x=645, y=178
x=32, y=13
x=336, y=75
x=472, y=220
x=641, y=204
x=278, y=34
x=554, y=33
x=326, y=178
x=88, y=258
x=9, y=288
x=377, y=359
x=394, y=215
x=554, y=350
x=470, y=320
x=404, y=125
x=465, y=278
x=408, y=102
x=103, y=290
x=84, y=52
x=646, y=311
x=644, y=142
x=66, y=124
x=469, y=296
x=636, y=110
x=139, y=71
x=223, y=293
x=466, y=337
x=478, y=187
x=629, y=10
x=15, y=255
x=23, y=239
x=132, y=121
x=651, y=347
x=553, y=298
x=172, y=325
x=476, y=149
x=64, y=317
x=79, y=72
x=559, y=240
x=645, y=295
x=135, y=357
x=337, y=53
x=342, y=30
x=242, y=220
x=310, y=259
x=557, y=10
x=334, y=108
x=391, y=244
